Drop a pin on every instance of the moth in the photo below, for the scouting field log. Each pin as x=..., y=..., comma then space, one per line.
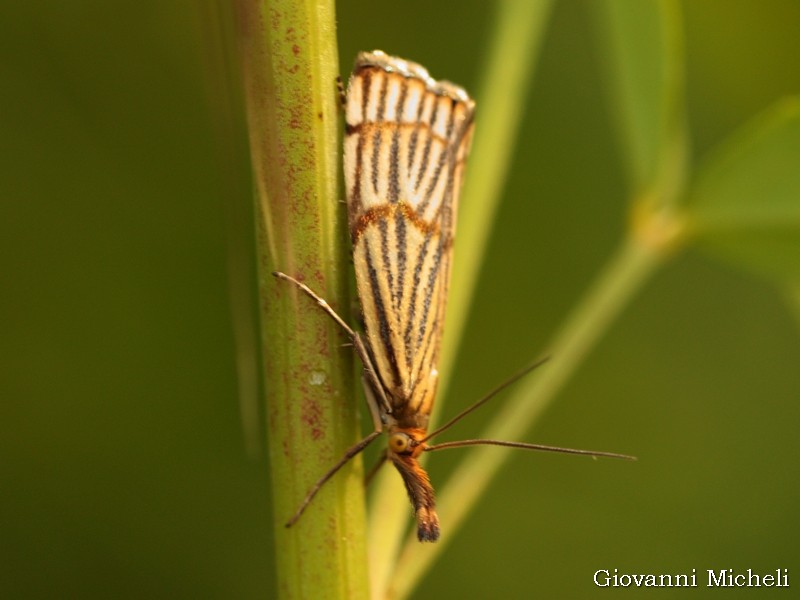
x=407, y=138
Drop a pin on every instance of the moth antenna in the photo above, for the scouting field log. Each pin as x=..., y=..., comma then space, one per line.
x=527, y=446
x=487, y=397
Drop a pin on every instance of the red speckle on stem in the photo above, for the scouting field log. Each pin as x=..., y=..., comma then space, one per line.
x=312, y=417
x=296, y=114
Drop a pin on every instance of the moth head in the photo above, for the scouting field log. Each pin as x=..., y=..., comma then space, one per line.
x=401, y=443
x=405, y=442
x=417, y=482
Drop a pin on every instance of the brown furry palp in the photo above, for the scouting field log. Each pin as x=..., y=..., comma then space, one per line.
x=420, y=491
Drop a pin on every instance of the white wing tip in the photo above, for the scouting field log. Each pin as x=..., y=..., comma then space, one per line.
x=407, y=68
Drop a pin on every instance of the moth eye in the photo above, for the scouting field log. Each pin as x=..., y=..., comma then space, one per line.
x=399, y=442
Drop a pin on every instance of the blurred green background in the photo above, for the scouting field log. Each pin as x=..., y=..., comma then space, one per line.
x=124, y=187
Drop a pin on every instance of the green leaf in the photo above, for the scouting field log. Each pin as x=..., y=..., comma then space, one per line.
x=745, y=203
x=643, y=56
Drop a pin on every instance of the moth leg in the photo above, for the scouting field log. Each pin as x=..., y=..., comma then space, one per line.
x=351, y=452
x=378, y=415
x=319, y=300
x=375, y=386
x=377, y=424
x=371, y=384
x=341, y=92
x=361, y=349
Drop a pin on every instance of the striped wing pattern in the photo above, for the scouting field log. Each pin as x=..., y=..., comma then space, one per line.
x=407, y=139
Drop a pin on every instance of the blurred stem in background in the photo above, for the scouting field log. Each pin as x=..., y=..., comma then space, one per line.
x=623, y=276
x=655, y=233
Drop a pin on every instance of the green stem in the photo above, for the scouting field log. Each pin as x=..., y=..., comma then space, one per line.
x=625, y=274
x=290, y=64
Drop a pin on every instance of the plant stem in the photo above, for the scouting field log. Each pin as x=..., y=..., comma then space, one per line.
x=290, y=63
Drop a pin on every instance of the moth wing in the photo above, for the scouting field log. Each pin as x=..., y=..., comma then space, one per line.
x=407, y=139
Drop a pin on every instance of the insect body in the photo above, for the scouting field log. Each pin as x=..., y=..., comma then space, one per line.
x=406, y=141
x=407, y=138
